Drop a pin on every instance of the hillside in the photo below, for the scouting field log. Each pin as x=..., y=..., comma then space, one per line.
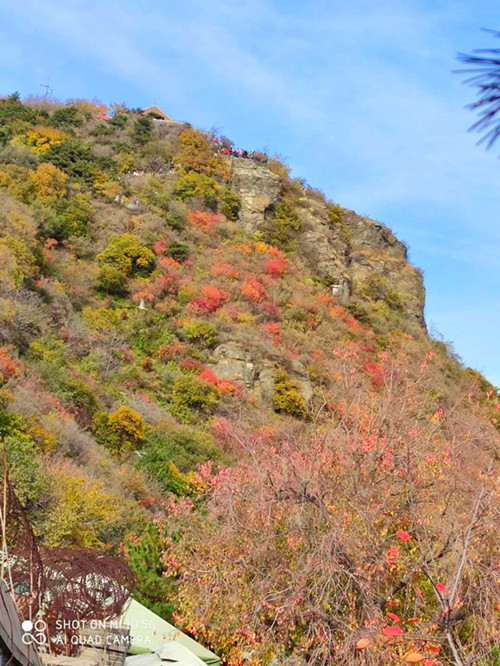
x=211, y=369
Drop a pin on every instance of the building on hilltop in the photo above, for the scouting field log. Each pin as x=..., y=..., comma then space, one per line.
x=158, y=115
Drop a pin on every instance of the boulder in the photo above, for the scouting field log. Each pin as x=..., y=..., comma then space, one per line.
x=258, y=189
x=234, y=363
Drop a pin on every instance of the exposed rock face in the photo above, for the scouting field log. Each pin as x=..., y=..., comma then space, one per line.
x=347, y=254
x=267, y=373
x=234, y=363
x=258, y=375
x=376, y=251
x=298, y=373
x=367, y=233
x=324, y=246
x=399, y=275
x=344, y=253
x=258, y=188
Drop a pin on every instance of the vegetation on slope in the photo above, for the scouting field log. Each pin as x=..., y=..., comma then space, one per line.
x=340, y=503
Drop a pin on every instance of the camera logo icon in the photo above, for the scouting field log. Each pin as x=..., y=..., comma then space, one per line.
x=34, y=633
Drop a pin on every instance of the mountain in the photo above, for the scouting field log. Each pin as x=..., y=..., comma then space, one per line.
x=211, y=369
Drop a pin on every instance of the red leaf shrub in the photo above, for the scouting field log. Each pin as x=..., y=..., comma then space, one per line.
x=251, y=289
x=209, y=301
x=170, y=350
x=392, y=631
x=375, y=373
x=393, y=617
x=223, y=386
x=272, y=329
x=271, y=310
x=275, y=268
x=169, y=264
x=159, y=246
x=8, y=367
x=190, y=364
x=224, y=269
x=208, y=376
x=203, y=221
x=228, y=387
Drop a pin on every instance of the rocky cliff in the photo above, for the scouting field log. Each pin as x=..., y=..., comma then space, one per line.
x=359, y=258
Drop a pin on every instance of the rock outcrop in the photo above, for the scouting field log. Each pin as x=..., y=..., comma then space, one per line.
x=233, y=362
x=324, y=245
x=349, y=252
x=258, y=189
x=376, y=252
x=258, y=375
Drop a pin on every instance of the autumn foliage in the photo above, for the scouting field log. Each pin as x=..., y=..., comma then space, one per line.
x=297, y=476
x=361, y=546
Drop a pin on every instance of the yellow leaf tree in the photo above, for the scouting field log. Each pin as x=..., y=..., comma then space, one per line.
x=49, y=182
x=40, y=138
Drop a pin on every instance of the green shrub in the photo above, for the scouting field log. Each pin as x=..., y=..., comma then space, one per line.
x=77, y=160
x=119, y=120
x=120, y=432
x=359, y=313
x=19, y=155
x=287, y=397
x=201, y=332
x=175, y=221
x=334, y=212
x=152, y=586
x=154, y=195
x=142, y=131
x=494, y=657
x=14, y=117
x=66, y=117
x=127, y=254
x=198, y=185
x=75, y=391
x=177, y=251
x=68, y=218
x=184, y=447
x=374, y=288
x=192, y=393
x=394, y=301
x=24, y=471
x=230, y=203
x=112, y=281
x=284, y=222
x=15, y=179
x=102, y=130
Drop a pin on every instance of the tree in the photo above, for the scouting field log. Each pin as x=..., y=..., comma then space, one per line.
x=41, y=138
x=122, y=431
x=142, y=131
x=127, y=254
x=81, y=512
x=374, y=528
x=153, y=587
x=49, y=182
x=77, y=160
x=485, y=70
x=197, y=154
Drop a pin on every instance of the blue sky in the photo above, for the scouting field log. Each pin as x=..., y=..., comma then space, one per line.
x=357, y=96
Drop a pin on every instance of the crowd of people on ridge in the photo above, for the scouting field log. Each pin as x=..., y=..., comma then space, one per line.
x=238, y=152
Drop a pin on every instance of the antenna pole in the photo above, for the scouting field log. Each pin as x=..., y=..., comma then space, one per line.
x=48, y=89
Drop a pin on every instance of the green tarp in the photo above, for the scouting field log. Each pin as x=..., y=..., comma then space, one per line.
x=171, y=652
x=149, y=632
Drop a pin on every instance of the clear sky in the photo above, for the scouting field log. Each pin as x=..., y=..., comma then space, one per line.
x=358, y=96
